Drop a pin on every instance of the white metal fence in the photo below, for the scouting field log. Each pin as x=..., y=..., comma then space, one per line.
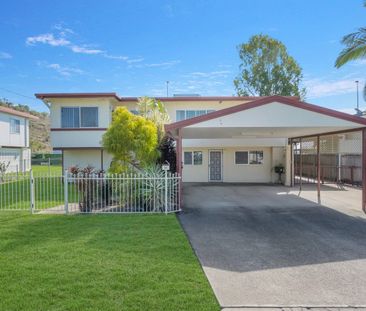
x=92, y=193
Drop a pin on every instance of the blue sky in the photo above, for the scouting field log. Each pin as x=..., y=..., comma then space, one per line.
x=134, y=47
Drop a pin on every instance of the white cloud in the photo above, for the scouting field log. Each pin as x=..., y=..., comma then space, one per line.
x=47, y=38
x=317, y=88
x=210, y=74
x=163, y=64
x=84, y=50
x=63, y=30
x=119, y=57
x=65, y=71
x=135, y=60
x=4, y=55
x=60, y=39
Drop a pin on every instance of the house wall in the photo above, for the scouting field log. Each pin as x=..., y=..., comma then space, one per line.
x=8, y=139
x=90, y=157
x=251, y=173
x=82, y=158
x=173, y=106
x=19, y=159
x=91, y=138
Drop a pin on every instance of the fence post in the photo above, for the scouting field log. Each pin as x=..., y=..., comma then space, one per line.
x=31, y=188
x=166, y=192
x=66, y=192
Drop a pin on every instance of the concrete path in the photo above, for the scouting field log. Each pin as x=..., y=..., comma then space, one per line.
x=262, y=246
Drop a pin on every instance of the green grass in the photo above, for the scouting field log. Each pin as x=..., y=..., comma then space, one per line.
x=48, y=193
x=38, y=169
x=99, y=262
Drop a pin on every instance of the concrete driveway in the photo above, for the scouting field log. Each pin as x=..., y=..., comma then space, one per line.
x=262, y=246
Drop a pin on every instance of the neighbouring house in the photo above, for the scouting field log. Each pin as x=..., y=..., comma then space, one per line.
x=219, y=139
x=14, y=139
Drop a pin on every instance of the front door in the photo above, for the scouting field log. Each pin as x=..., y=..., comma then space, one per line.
x=215, y=166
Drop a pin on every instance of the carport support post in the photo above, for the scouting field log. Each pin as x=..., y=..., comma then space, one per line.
x=300, y=164
x=179, y=163
x=318, y=166
x=364, y=169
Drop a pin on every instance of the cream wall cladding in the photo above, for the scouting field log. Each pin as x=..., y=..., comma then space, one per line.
x=231, y=172
x=173, y=106
x=104, y=109
x=89, y=157
x=82, y=158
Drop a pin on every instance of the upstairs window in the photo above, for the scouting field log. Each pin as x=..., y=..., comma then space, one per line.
x=75, y=117
x=187, y=114
x=14, y=126
x=89, y=116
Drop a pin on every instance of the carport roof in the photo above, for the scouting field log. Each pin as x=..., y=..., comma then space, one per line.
x=297, y=119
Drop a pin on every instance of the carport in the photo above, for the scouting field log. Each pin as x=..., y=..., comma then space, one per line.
x=310, y=132
x=264, y=246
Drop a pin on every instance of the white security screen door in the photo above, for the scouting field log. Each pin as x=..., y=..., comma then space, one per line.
x=215, y=165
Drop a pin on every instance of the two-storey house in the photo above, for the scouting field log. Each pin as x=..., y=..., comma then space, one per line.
x=14, y=139
x=221, y=139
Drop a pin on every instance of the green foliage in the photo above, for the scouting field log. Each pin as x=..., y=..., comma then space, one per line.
x=168, y=152
x=131, y=139
x=355, y=48
x=3, y=167
x=155, y=111
x=152, y=189
x=267, y=69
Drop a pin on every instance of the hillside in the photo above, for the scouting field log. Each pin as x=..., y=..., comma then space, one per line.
x=39, y=131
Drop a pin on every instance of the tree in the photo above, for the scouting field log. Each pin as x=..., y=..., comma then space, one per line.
x=267, y=69
x=355, y=48
x=153, y=110
x=131, y=139
x=167, y=148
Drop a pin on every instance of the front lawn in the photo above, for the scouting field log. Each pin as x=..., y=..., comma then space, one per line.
x=99, y=262
x=45, y=169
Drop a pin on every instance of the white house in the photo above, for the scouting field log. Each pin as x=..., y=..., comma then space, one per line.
x=14, y=139
x=219, y=139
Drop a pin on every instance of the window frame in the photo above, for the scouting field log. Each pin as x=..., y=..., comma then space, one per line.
x=236, y=151
x=256, y=151
x=196, y=112
x=184, y=158
x=80, y=119
x=79, y=113
x=192, y=157
x=193, y=153
x=248, y=152
x=17, y=126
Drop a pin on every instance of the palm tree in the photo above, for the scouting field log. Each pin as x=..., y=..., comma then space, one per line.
x=155, y=111
x=355, y=48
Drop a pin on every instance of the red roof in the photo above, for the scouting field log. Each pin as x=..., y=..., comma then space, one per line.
x=17, y=113
x=264, y=101
x=129, y=99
